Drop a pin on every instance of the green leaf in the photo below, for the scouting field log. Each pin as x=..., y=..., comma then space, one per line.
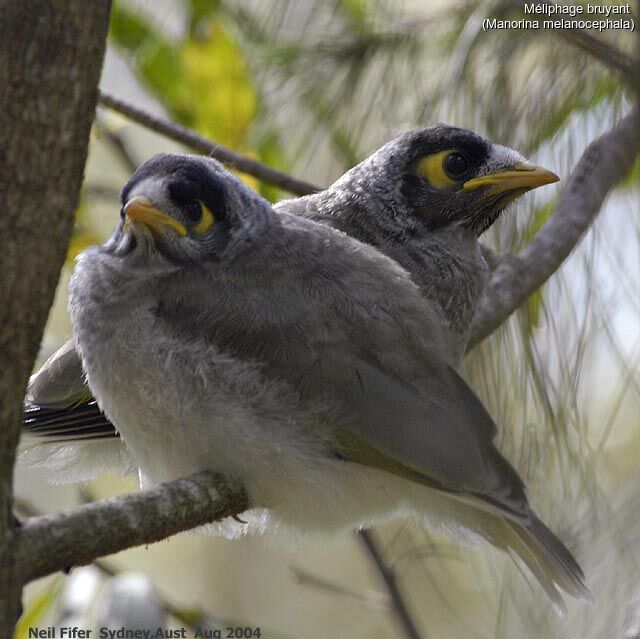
x=357, y=11
x=632, y=181
x=128, y=30
x=533, y=306
x=538, y=219
x=220, y=100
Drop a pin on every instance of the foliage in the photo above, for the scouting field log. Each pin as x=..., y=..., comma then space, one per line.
x=202, y=79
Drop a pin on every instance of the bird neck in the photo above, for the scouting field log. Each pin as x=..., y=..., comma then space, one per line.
x=449, y=268
x=446, y=263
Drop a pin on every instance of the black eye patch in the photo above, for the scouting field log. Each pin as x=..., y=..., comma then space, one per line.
x=182, y=192
x=190, y=184
x=192, y=211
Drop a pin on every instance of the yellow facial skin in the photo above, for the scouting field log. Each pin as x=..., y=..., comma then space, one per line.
x=431, y=167
x=522, y=177
x=206, y=221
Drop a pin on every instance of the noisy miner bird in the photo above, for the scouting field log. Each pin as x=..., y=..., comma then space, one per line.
x=423, y=199
x=217, y=334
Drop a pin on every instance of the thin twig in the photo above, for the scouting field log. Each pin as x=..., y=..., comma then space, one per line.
x=201, y=144
x=372, y=600
x=388, y=578
x=602, y=50
x=118, y=145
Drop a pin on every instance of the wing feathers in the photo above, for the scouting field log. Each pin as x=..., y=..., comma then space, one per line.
x=77, y=423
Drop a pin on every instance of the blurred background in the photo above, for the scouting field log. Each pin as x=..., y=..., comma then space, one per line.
x=311, y=87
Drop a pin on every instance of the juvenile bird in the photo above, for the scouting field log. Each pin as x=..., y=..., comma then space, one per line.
x=217, y=334
x=423, y=199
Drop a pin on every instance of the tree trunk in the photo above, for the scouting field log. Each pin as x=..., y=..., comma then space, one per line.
x=51, y=55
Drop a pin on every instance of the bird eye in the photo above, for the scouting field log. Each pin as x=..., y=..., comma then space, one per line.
x=444, y=169
x=455, y=165
x=199, y=216
x=193, y=211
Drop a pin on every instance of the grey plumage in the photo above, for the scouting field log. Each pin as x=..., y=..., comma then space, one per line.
x=432, y=231
x=386, y=201
x=219, y=335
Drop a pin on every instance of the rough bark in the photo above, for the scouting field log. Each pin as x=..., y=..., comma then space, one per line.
x=50, y=59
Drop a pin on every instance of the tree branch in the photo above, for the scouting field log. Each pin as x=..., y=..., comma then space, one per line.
x=50, y=543
x=189, y=616
x=201, y=144
x=388, y=578
x=603, y=164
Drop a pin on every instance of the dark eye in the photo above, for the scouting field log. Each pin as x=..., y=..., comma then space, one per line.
x=455, y=165
x=193, y=211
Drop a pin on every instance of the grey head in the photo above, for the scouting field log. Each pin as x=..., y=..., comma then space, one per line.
x=185, y=212
x=438, y=177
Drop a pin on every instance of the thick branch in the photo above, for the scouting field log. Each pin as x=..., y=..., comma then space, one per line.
x=603, y=164
x=50, y=543
x=201, y=144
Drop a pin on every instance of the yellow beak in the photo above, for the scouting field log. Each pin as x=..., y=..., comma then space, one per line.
x=523, y=177
x=140, y=210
